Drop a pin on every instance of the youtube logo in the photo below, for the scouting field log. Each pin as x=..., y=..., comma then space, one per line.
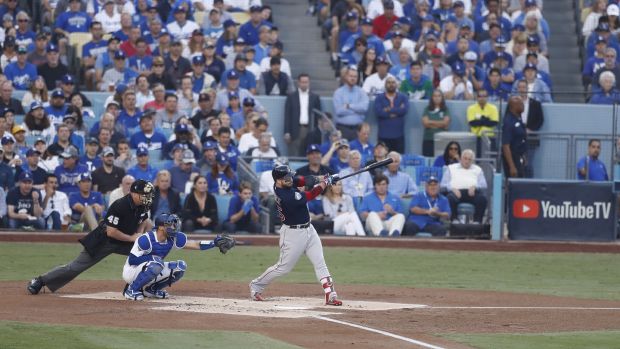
x=525, y=208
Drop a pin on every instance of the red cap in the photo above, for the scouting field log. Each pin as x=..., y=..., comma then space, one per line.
x=436, y=52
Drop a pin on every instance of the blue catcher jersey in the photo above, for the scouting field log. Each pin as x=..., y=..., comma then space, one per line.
x=147, y=246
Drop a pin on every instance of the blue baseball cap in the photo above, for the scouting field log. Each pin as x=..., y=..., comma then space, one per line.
x=458, y=69
x=600, y=39
x=55, y=94
x=163, y=32
x=233, y=94
x=313, y=148
x=180, y=128
x=229, y=23
x=32, y=151
x=68, y=79
x=179, y=9
x=36, y=105
x=256, y=8
x=177, y=147
x=25, y=176
x=249, y=102
x=530, y=66
x=121, y=88
x=350, y=16
x=602, y=27
x=366, y=21
x=404, y=20
x=382, y=60
x=209, y=145
x=432, y=179
x=458, y=3
x=198, y=60
x=533, y=40
x=428, y=18
x=7, y=140
x=221, y=159
x=232, y=75
x=119, y=55
x=141, y=151
x=529, y=3
x=518, y=27
x=85, y=177
x=52, y=47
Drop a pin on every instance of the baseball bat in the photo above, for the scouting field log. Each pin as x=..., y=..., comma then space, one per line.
x=370, y=167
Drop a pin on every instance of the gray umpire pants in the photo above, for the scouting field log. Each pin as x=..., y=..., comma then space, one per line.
x=63, y=274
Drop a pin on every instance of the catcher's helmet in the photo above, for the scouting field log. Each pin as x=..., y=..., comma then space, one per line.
x=171, y=222
x=282, y=171
x=145, y=189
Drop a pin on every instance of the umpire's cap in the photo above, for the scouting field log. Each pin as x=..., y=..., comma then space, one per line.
x=141, y=186
x=281, y=171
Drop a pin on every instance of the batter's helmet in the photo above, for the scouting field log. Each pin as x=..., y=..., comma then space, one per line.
x=145, y=189
x=282, y=171
x=170, y=221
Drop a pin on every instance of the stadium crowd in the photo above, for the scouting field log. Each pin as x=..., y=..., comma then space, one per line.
x=183, y=76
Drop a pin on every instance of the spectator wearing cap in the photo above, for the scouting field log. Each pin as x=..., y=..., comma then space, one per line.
x=91, y=158
x=232, y=84
x=234, y=106
x=542, y=62
x=381, y=210
x=299, y=116
x=67, y=127
x=181, y=28
x=462, y=47
x=251, y=139
x=224, y=46
x=177, y=65
x=437, y=70
x=533, y=29
x=417, y=85
x=20, y=72
x=443, y=10
x=24, y=205
x=129, y=116
x=375, y=84
x=465, y=31
x=23, y=35
x=10, y=157
x=72, y=21
x=184, y=172
x=182, y=136
x=225, y=146
x=350, y=29
x=7, y=100
x=109, y=18
x=38, y=56
x=391, y=107
x=427, y=45
x=594, y=63
x=532, y=58
x=492, y=9
x=474, y=73
x=428, y=210
x=160, y=75
x=167, y=117
x=610, y=64
x=221, y=178
x=537, y=88
x=107, y=176
x=31, y=165
x=37, y=123
x=251, y=65
x=462, y=12
x=400, y=68
x=208, y=159
x=499, y=51
x=68, y=174
x=488, y=45
x=247, y=80
x=67, y=86
x=148, y=137
x=238, y=48
x=105, y=60
x=55, y=203
x=199, y=78
x=350, y=105
x=9, y=10
x=457, y=86
x=275, y=82
x=213, y=25
x=314, y=166
x=243, y=212
x=341, y=159
x=87, y=205
x=164, y=43
x=213, y=64
x=204, y=111
x=118, y=74
x=19, y=134
x=496, y=89
x=7, y=173
x=249, y=31
x=277, y=50
x=142, y=169
x=383, y=23
x=9, y=52
x=57, y=108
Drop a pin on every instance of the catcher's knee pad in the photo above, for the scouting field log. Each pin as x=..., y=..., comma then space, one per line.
x=149, y=272
x=179, y=265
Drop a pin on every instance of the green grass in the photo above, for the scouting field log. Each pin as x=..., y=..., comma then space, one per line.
x=583, y=275
x=590, y=340
x=20, y=335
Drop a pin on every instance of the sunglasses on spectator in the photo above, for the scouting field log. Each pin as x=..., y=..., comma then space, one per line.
x=22, y=20
x=158, y=65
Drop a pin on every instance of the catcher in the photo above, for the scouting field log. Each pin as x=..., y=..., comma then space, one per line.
x=145, y=271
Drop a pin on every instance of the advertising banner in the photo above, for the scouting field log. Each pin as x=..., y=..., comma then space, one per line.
x=561, y=210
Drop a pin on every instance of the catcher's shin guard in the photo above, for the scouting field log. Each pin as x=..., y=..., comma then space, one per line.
x=148, y=274
x=331, y=297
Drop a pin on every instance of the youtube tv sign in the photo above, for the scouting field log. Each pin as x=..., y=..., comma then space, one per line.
x=561, y=210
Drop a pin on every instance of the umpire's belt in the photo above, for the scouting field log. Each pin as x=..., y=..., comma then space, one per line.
x=300, y=226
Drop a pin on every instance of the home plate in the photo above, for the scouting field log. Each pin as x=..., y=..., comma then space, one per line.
x=279, y=307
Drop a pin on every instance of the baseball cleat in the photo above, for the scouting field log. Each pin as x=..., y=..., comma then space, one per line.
x=35, y=285
x=133, y=295
x=255, y=296
x=331, y=298
x=160, y=294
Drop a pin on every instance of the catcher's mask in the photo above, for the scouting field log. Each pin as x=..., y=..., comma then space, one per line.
x=171, y=222
x=145, y=189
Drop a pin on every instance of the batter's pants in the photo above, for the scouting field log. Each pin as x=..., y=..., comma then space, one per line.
x=294, y=243
x=349, y=224
x=375, y=224
x=62, y=275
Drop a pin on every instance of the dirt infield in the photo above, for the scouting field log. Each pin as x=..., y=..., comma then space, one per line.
x=443, y=311
x=448, y=311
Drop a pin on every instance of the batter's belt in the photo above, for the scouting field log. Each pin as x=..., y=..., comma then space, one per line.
x=299, y=226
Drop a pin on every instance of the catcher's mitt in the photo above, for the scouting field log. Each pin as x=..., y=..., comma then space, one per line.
x=224, y=242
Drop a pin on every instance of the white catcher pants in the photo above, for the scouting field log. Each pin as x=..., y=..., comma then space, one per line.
x=294, y=243
x=375, y=224
x=130, y=273
x=349, y=224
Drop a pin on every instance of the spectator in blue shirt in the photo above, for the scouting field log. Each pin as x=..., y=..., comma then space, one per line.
x=340, y=160
x=391, y=107
x=590, y=167
x=222, y=180
x=608, y=93
x=184, y=172
x=247, y=80
x=350, y=105
x=225, y=146
x=249, y=30
x=401, y=183
x=129, y=116
x=23, y=35
x=90, y=51
x=72, y=21
x=21, y=73
x=243, y=211
x=68, y=174
x=427, y=210
x=362, y=143
x=87, y=205
x=142, y=170
x=147, y=137
x=382, y=210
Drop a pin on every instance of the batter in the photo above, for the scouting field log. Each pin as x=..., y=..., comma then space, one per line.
x=297, y=235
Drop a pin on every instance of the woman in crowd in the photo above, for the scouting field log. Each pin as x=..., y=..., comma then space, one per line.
x=339, y=208
x=200, y=208
x=366, y=66
x=82, y=112
x=165, y=199
x=36, y=123
x=435, y=118
x=451, y=155
x=37, y=92
x=222, y=179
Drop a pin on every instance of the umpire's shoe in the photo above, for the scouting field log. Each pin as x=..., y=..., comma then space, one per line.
x=35, y=285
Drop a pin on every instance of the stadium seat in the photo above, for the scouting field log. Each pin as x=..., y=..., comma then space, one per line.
x=222, y=207
x=240, y=17
x=424, y=172
x=260, y=166
x=19, y=119
x=78, y=40
x=199, y=17
x=404, y=203
x=413, y=160
x=297, y=164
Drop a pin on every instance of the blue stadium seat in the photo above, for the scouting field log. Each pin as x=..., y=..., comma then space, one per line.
x=404, y=202
x=424, y=172
x=297, y=164
x=262, y=165
x=413, y=160
x=19, y=119
x=155, y=154
x=222, y=207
